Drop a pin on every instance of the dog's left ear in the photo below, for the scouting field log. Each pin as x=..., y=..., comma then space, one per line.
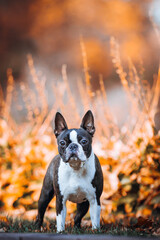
x=88, y=123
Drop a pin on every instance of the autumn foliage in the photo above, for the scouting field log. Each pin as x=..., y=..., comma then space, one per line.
x=130, y=156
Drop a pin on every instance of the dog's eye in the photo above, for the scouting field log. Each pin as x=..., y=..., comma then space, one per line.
x=83, y=141
x=62, y=143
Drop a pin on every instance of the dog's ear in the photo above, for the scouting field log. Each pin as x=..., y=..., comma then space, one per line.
x=60, y=124
x=88, y=123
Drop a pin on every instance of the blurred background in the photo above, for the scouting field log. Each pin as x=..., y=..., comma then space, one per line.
x=50, y=30
x=72, y=56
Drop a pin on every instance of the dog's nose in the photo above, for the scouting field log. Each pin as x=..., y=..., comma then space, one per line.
x=73, y=147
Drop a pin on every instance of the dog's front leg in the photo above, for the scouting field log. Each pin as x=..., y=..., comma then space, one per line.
x=95, y=211
x=61, y=213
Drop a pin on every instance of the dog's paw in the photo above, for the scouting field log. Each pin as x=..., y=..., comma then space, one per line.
x=38, y=223
x=60, y=231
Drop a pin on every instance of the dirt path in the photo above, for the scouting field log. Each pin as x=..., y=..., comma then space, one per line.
x=43, y=236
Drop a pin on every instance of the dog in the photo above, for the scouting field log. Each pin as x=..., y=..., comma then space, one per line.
x=75, y=174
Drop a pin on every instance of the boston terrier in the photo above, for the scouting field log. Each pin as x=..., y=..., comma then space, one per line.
x=75, y=174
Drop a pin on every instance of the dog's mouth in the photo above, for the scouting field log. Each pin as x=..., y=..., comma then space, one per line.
x=75, y=162
x=74, y=157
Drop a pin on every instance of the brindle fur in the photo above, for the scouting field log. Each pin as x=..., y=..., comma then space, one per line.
x=51, y=188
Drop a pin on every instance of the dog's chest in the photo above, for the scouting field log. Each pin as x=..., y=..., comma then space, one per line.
x=76, y=186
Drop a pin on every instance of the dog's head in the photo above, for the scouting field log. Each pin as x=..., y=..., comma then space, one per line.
x=74, y=144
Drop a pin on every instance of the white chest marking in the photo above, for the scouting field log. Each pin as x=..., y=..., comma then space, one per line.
x=76, y=185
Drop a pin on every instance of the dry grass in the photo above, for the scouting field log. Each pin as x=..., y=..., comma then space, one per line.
x=131, y=154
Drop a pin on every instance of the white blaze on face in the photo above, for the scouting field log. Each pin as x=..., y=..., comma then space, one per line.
x=80, y=153
x=73, y=136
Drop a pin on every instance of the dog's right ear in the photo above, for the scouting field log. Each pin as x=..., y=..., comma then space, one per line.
x=60, y=124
